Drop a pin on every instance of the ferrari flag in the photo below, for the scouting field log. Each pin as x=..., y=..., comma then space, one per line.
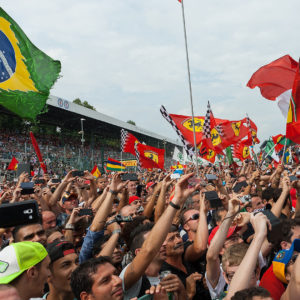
x=26, y=73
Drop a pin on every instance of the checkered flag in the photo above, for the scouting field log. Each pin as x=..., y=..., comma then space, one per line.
x=189, y=149
x=124, y=135
x=137, y=154
x=206, y=124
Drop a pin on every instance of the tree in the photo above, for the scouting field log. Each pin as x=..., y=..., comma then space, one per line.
x=131, y=122
x=84, y=103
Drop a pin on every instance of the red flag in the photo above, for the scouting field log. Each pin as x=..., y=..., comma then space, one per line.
x=241, y=150
x=293, y=117
x=274, y=78
x=127, y=142
x=276, y=139
x=38, y=152
x=151, y=157
x=13, y=165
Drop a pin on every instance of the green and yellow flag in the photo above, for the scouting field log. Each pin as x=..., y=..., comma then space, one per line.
x=26, y=73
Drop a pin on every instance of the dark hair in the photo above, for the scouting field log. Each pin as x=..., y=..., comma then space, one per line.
x=276, y=195
x=97, y=247
x=268, y=193
x=81, y=278
x=250, y=293
x=129, y=228
x=18, y=228
x=286, y=228
x=137, y=236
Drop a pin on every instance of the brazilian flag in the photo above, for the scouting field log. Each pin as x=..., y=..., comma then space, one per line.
x=26, y=73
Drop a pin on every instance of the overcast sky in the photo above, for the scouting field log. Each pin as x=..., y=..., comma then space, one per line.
x=127, y=57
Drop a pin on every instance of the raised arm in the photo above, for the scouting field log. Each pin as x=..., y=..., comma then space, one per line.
x=277, y=207
x=157, y=235
x=151, y=202
x=212, y=256
x=198, y=248
x=248, y=265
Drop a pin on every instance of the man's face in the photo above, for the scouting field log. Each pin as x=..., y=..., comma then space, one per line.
x=44, y=273
x=229, y=271
x=191, y=223
x=117, y=255
x=295, y=235
x=61, y=271
x=129, y=211
x=137, y=203
x=49, y=220
x=173, y=244
x=101, y=183
x=131, y=187
x=70, y=204
x=107, y=285
x=32, y=233
x=256, y=203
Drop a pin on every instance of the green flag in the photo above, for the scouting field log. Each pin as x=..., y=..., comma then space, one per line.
x=229, y=155
x=26, y=73
x=286, y=141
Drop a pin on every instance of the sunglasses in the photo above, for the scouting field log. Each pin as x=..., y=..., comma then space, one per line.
x=193, y=217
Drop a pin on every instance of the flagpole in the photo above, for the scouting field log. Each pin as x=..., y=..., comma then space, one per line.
x=282, y=159
x=252, y=140
x=268, y=154
x=190, y=84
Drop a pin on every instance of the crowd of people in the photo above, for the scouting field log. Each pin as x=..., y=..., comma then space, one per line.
x=232, y=235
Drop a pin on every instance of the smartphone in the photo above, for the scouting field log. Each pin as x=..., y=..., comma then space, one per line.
x=129, y=176
x=78, y=173
x=39, y=181
x=27, y=188
x=85, y=212
x=293, y=178
x=20, y=213
x=175, y=176
x=239, y=186
x=211, y=176
x=213, y=199
x=56, y=180
x=23, y=168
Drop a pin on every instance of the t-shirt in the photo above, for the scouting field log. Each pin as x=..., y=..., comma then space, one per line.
x=271, y=283
x=134, y=291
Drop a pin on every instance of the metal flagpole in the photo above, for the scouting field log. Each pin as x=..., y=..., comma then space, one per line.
x=190, y=84
x=282, y=159
x=252, y=147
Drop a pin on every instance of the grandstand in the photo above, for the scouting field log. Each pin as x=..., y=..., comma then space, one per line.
x=59, y=134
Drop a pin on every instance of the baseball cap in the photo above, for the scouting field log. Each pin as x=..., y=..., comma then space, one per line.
x=19, y=257
x=149, y=184
x=282, y=258
x=68, y=196
x=231, y=231
x=133, y=198
x=59, y=249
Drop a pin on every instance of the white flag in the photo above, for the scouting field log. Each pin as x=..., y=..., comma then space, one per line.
x=177, y=155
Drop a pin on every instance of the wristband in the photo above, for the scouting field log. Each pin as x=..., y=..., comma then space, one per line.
x=174, y=205
x=113, y=192
x=116, y=231
x=69, y=226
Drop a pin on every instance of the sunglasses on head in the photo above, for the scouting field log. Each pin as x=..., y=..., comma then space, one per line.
x=193, y=217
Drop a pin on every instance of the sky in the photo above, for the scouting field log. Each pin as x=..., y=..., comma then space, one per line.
x=127, y=58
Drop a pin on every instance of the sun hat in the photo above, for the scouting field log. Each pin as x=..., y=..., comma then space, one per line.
x=19, y=257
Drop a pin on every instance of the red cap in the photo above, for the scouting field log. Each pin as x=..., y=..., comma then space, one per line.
x=133, y=198
x=231, y=231
x=149, y=184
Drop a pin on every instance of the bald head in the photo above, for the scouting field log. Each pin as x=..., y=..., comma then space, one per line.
x=49, y=219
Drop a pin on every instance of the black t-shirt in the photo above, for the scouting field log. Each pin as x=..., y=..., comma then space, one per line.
x=201, y=292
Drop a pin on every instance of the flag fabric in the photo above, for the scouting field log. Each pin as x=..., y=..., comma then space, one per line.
x=293, y=117
x=229, y=156
x=150, y=157
x=38, y=152
x=128, y=141
x=114, y=165
x=95, y=172
x=241, y=150
x=275, y=81
x=177, y=155
x=27, y=74
x=188, y=147
x=13, y=165
x=276, y=140
x=269, y=149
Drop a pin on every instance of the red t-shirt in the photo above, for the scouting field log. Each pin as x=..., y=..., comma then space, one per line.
x=271, y=283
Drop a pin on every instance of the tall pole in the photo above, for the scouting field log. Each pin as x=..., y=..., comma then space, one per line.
x=282, y=159
x=190, y=84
